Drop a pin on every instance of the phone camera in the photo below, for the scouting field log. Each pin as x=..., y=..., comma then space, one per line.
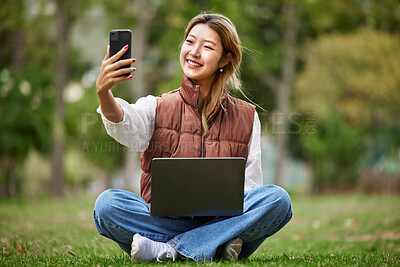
x=114, y=35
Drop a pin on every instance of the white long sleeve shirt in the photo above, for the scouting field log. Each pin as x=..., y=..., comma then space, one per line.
x=137, y=127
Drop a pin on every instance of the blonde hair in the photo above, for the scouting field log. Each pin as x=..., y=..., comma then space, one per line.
x=230, y=75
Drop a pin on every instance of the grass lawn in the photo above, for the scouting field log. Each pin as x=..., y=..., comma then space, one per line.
x=325, y=230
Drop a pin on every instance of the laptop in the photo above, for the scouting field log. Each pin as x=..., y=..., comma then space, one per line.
x=197, y=186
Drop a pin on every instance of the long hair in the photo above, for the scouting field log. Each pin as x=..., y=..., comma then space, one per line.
x=230, y=76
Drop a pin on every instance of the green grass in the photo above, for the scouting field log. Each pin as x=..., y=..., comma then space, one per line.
x=327, y=230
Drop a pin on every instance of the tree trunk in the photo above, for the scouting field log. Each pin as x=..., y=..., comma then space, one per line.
x=139, y=45
x=17, y=62
x=57, y=168
x=283, y=93
x=11, y=178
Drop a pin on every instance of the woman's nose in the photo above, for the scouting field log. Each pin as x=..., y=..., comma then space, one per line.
x=195, y=52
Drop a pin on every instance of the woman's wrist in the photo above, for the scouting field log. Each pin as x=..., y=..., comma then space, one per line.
x=101, y=91
x=104, y=93
x=110, y=108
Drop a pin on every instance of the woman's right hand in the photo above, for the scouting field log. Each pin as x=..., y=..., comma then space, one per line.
x=110, y=74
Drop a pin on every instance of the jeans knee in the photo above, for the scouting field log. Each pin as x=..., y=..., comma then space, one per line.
x=283, y=200
x=279, y=197
x=104, y=204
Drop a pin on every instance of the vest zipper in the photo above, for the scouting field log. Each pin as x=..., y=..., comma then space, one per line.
x=203, y=148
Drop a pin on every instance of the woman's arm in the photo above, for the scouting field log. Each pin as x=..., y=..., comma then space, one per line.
x=131, y=125
x=253, y=171
x=109, y=75
x=137, y=125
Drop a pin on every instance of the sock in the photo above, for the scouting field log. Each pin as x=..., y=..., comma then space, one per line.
x=144, y=249
x=233, y=249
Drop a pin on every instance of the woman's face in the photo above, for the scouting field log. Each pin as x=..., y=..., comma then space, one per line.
x=201, y=54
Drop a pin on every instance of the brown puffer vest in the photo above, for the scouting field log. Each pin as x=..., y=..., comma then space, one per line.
x=178, y=130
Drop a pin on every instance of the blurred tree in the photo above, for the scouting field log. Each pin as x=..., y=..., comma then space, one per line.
x=345, y=76
x=66, y=14
x=291, y=22
x=85, y=133
x=25, y=86
x=335, y=150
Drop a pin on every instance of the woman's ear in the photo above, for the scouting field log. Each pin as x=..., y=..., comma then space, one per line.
x=225, y=60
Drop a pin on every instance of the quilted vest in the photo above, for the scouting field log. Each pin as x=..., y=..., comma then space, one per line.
x=178, y=131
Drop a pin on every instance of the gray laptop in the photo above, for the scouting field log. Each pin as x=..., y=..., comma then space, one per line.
x=197, y=186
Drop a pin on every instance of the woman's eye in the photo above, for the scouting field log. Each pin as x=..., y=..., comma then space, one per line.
x=209, y=47
x=189, y=41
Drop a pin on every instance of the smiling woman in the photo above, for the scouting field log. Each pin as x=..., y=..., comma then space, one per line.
x=216, y=42
x=200, y=119
x=201, y=56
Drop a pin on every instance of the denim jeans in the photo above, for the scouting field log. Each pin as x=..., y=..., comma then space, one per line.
x=119, y=214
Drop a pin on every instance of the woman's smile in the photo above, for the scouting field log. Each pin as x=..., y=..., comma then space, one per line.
x=192, y=63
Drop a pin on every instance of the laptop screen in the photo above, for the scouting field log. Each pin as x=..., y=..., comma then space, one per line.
x=197, y=186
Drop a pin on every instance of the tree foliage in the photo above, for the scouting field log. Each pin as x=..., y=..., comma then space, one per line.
x=25, y=91
x=352, y=82
x=356, y=75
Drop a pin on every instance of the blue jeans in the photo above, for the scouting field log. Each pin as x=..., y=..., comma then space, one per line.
x=120, y=214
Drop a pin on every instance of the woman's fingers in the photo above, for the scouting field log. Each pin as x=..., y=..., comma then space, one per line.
x=110, y=78
x=113, y=70
x=122, y=63
x=118, y=79
x=118, y=68
x=119, y=54
x=107, y=54
x=123, y=71
x=120, y=72
x=108, y=81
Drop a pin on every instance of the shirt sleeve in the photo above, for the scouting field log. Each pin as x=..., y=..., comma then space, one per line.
x=253, y=171
x=137, y=126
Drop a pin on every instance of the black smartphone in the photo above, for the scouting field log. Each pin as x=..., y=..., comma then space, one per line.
x=118, y=39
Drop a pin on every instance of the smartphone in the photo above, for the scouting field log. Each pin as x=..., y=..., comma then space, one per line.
x=118, y=39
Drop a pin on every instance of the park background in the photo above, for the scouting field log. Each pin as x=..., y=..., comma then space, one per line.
x=325, y=74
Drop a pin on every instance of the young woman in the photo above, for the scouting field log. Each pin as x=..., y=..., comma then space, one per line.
x=200, y=119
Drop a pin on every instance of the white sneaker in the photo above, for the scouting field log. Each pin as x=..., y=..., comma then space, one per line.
x=233, y=249
x=144, y=249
